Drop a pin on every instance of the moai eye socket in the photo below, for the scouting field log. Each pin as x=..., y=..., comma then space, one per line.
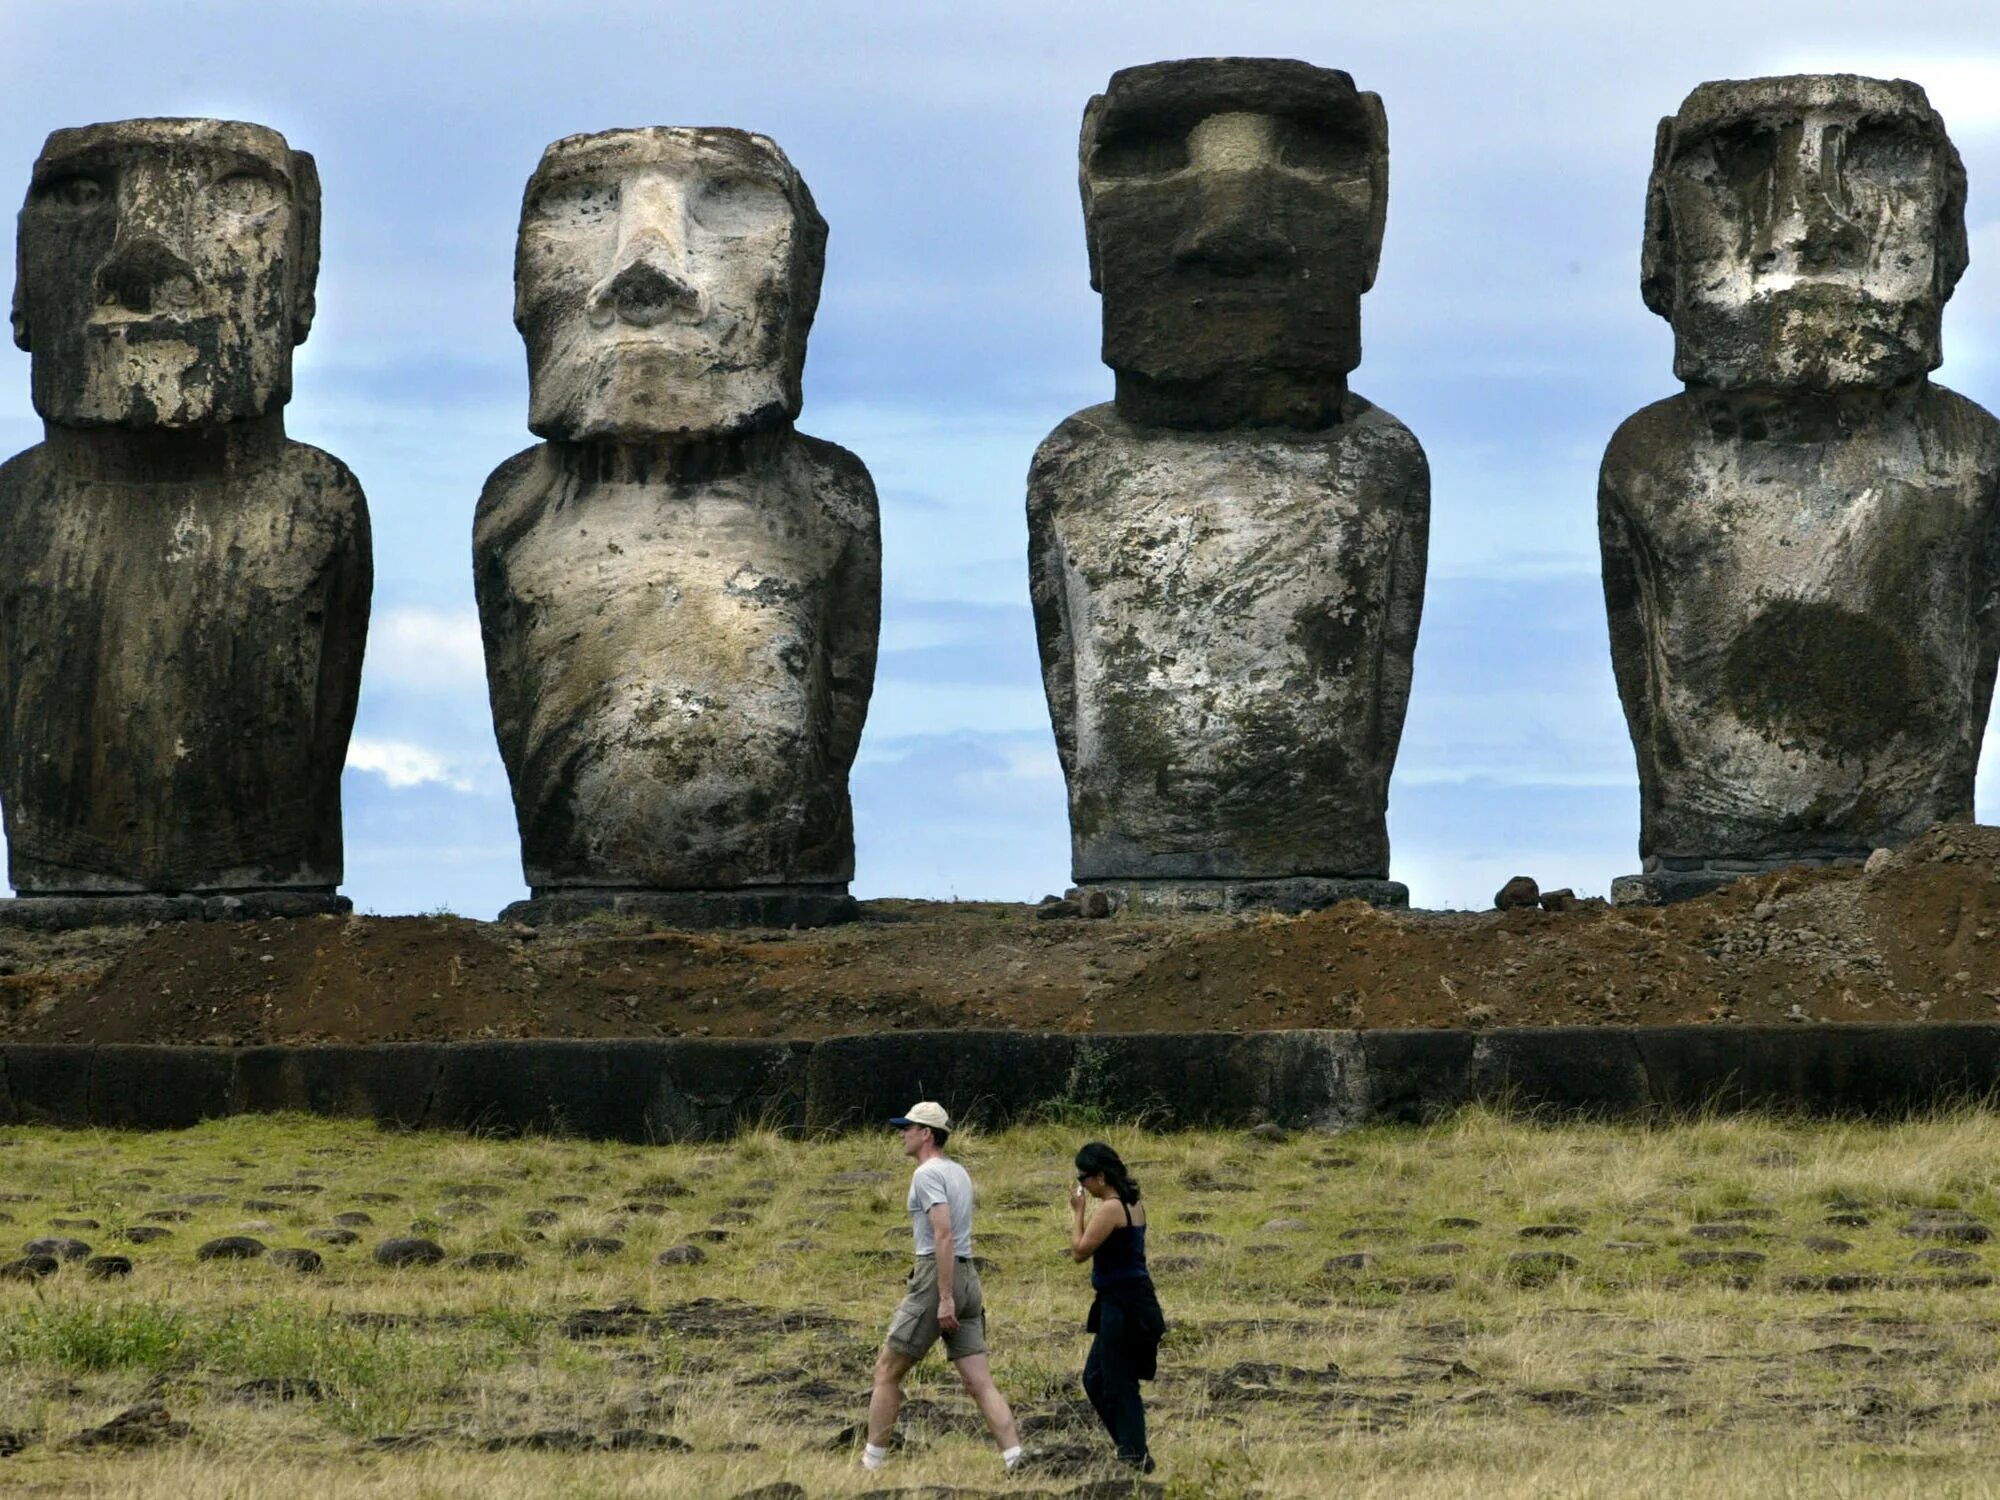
x=1745, y=154
x=1884, y=154
x=737, y=207
x=578, y=202
x=1140, y=153
x=76, y=193
x=1321, y=146
x=245, y=193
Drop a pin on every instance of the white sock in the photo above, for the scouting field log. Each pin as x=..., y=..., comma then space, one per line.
x=1011, y=1456
x=873, y=1457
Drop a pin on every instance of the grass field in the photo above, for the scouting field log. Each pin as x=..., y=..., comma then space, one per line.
x=1437, y=1363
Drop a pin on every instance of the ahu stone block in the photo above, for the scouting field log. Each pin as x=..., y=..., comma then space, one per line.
x=183, y=590
x=1227, y=560
x=679, y=593
x=1800, y=549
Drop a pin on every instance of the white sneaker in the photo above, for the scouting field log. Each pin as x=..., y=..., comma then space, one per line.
x=873, y=1457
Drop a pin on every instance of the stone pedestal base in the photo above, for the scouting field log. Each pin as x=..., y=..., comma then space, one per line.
x=749, y=906
x=63, y=913
x=1664, y=885
x=1293, y=894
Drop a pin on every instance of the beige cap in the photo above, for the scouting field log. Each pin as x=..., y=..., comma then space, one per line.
x=926, y=1113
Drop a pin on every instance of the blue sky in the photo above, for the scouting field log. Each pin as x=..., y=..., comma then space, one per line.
x=957, y=327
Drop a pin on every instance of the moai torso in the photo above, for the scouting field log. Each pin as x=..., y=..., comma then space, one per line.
x=680, y=666
x=679, y=594
x=1801, y=552
x=1228, y=561
x=183, y=591
x=1226, y=632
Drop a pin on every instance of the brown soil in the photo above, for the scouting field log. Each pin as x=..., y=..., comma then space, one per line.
x=1914, y=939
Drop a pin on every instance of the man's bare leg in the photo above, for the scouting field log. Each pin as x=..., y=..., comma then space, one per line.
x=978, y=1378
x=887, y=1397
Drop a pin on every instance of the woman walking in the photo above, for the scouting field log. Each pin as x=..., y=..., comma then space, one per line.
x=1125, y=1315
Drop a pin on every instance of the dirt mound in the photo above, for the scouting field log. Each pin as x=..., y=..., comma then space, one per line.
x=1911, y=938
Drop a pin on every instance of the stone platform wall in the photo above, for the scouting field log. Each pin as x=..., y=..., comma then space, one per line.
x=710, y=1090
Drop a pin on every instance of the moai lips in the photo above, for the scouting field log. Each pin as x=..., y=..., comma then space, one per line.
x=679, y=594
x=183, y=591
x=1801, y=552
x=1227, y=562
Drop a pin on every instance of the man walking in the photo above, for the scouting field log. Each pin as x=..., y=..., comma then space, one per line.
x=943, y=1299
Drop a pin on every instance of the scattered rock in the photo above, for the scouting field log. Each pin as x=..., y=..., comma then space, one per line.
x=400, y=1253
x=61, y=1249
x=1848, y=1221
x=305, y=1262
x=1628, y=1247
x=353, y=1218
x=1442, y=1247
x=1055, y=909
x=1826, y=1244
x=1357, y=1260
x=136, y=1427
x=1538, y=1267
x=1270, y=1134
x=587, y=1245
x=30, y=1268
x=1519, y=892
x=1549, y=1232
x=231, y=1247
x=536, y=1217
x=1718, y=1232
x=1702, y=1258
x=106, y=1267
x=1561, y=899
x=74, y=1224
x=1940, y=1256
x=1458, y=1223
x=332, y=1236
x=1285, y=1226
x=146, y=1234
x=494, y=1260
x=1954, y=1228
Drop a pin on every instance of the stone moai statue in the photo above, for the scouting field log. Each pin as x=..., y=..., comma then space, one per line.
x=679, y=593
x=1800, y=550
x=1227, y=561
x=183, y=591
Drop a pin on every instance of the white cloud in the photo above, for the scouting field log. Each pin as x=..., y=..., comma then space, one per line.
x=404, y=765
x=413, y=646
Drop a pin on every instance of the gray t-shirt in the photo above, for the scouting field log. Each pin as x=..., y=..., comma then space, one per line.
x=941, y=1180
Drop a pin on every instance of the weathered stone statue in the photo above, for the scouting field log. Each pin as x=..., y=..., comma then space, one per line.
x=1227, y=561
x=1800, y=550
x=183, y=591
x=679, y=593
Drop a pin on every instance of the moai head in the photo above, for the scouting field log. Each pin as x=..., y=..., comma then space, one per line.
x=665, y=281
x=1804, y=232
x=1234, y=210
x=166, y=270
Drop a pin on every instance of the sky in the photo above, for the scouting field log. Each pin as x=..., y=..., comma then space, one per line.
x=957, y=327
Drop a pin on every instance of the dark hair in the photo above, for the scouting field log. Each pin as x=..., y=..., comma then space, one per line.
x=1094, y=1158
x=939, y=1135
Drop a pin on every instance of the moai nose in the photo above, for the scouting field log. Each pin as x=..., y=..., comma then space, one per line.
x=1812, y=224
x=144, y=274
x=1234, y=235
x=1234, y=157
x=643, y=292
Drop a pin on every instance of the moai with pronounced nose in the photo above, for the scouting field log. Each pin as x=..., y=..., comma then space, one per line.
x=1227, y=561
x=1800, y=551
x=679, y=593
x=183, y=590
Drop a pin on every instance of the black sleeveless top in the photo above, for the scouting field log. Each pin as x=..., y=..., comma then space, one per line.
x=1121, y=1259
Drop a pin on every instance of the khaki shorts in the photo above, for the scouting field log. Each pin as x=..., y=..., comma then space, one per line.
x=914, y=1328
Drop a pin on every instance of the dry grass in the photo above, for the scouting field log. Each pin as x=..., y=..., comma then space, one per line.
x=1424, y=1372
